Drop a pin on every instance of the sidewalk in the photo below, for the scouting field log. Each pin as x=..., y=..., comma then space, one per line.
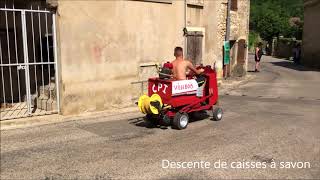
x=108, y=115
x=225, y=86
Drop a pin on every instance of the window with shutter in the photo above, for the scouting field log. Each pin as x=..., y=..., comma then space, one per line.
x=157, y=1
x=194, y=47
x=195, y=2
x=234, y=5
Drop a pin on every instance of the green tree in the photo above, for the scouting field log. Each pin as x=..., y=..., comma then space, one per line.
x=271, y=18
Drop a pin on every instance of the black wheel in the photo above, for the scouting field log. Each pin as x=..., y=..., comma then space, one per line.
x=151, y=120
x=180, y=121
x=217, y=113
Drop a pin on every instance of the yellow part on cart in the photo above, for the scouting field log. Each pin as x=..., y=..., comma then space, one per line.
x=155, y=98
x=146, y=107
x=144, y=104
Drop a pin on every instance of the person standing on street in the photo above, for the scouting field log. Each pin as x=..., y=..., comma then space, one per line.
x=297, y=53
x=257, y=57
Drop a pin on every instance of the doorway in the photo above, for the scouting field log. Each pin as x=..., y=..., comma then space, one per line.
x=28, y=62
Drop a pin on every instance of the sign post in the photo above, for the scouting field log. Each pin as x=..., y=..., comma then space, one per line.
x=226, y=57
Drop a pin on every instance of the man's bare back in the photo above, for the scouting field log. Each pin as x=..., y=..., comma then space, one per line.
x=180, y=66
x=179, y=69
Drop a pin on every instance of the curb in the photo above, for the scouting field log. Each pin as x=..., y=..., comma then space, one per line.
x=108, y=115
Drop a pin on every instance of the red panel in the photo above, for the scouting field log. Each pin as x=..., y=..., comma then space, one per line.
x=161, y=87
x=212, y=87
x=178, y=101
x=164, y=89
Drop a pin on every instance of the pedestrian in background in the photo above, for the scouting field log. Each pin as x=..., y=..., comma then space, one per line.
x=257, y=57
x=297, y=53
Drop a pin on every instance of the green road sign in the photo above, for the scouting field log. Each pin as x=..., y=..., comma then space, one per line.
x=226, y=57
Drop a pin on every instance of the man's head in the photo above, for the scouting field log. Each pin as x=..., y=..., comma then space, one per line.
x=178, y=52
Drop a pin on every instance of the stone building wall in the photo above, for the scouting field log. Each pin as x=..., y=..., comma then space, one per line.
x=311, y=35
x=239, y=29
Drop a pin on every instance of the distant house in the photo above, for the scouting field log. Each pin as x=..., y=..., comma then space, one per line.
x=104, y=46
x=311, y=35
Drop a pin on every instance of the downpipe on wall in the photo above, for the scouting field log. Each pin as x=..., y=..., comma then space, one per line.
x=227, y=37
x=185, y=28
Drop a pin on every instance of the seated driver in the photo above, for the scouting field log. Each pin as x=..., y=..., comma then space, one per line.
x=180, y=65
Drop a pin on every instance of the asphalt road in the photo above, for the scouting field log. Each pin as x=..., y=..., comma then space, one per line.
x=270, y=120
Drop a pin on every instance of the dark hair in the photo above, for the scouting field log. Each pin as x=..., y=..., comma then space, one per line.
x=178, y=51
x=260, y=44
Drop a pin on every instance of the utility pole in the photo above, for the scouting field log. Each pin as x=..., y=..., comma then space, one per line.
x=227, y=38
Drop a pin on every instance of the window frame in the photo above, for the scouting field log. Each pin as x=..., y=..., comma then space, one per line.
x=199, y=3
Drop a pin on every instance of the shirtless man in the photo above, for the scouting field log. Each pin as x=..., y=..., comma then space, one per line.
x=180, y=65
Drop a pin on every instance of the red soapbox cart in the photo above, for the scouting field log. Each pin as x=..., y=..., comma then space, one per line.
x=170, y=101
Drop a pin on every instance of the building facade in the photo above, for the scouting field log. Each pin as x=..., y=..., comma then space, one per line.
x=106, y=49
x=311, y=36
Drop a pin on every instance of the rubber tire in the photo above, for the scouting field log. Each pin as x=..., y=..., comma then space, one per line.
x=150, y=120
x=215, y=112
x=176, y=124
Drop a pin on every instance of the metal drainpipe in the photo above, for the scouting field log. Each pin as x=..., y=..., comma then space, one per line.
x=228, y=21
x=227, y=37
x=185, y=26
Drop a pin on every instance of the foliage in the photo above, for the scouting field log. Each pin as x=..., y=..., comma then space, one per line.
x=253, y=39
x=271, y=18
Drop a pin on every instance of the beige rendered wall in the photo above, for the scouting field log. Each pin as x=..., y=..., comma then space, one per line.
x=311, y=35
x=205, y=18
x=103, y=43
x=210, y=24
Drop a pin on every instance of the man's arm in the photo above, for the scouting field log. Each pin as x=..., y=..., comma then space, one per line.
x=192, y=68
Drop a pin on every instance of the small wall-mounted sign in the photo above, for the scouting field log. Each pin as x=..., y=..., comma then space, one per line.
x=226, y=52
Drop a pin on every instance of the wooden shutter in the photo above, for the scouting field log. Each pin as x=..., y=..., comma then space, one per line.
x=194, y=47
x=234, y=5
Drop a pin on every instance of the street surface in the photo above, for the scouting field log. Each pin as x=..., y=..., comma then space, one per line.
x=273, y=118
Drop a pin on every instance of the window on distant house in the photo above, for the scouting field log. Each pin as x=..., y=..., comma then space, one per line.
x=234, y=5
x=157, y=1
x=195, y=2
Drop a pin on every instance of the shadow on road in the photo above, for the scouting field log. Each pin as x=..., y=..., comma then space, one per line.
x=142, y=122
x=198, y=116
x=291, y=65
